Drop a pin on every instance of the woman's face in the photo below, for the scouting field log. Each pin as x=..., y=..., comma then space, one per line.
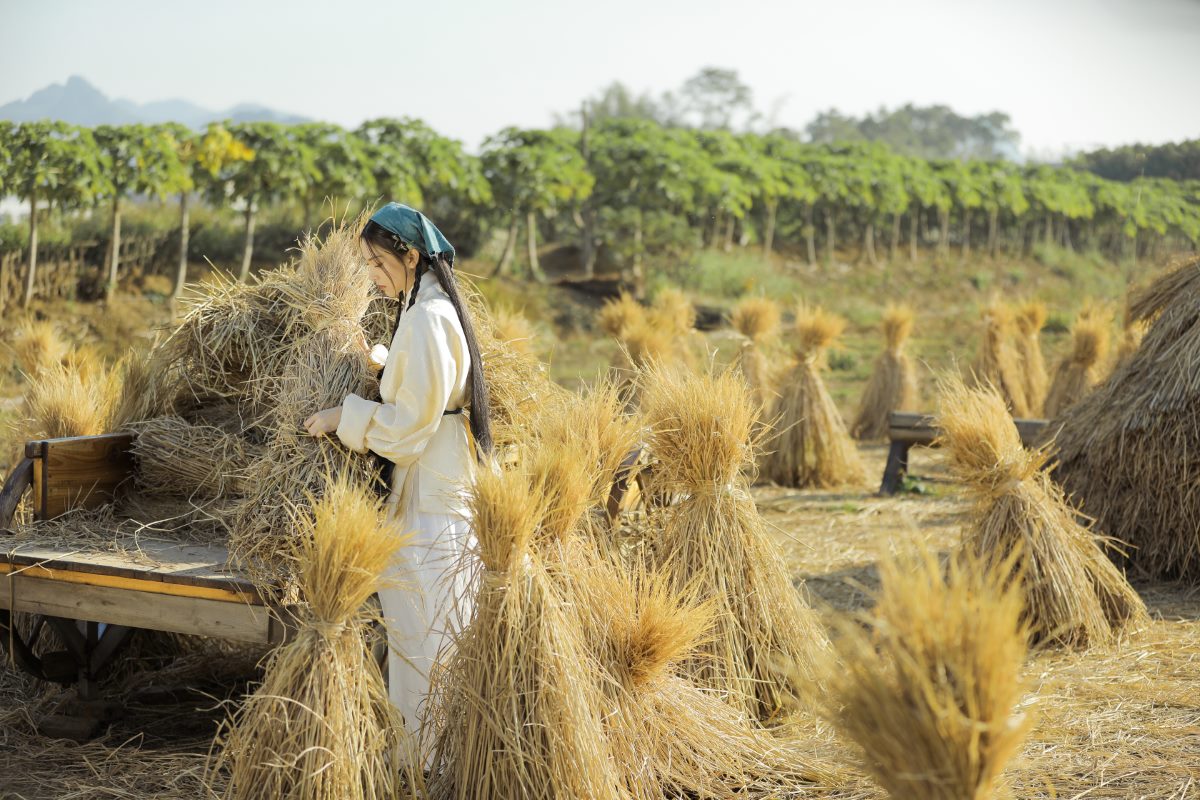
x=392, y=274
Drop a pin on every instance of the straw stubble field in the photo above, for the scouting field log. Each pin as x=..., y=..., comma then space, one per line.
x=1113, y=722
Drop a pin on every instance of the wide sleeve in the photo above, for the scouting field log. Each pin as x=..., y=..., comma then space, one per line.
x=418, y=380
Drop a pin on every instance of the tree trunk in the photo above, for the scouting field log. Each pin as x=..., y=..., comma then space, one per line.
x=588, y=251
x=535, y=268
x=810, y=235
x=713, y=231
x=510, y=248
x=944, y=231
x=639, y=275
x=966, y=233
x=114, y=259
x=894, y=244
x=829, y=237
x=1049, y=234
x=769, y=232
x=727, y=245
x=869, y=243
x=913, y=237
x=248, y=250
x=181, y=270
x=33, y=249
x=993, y=227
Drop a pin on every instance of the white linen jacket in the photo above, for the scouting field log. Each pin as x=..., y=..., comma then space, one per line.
x=426, y=373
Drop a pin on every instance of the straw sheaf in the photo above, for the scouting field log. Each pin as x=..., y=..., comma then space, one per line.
x=672, y=312
x=757, y=318
x=1122, y=448
x=896, y=325
x=1080, y=371
x=999, y=363
x=816, y=329
x=1030, y=318
x=1073, y=594
x=893, y=383
x=64, y=402
x=514, y=328
x=179, y=458
x=929, y=683
x=38, y=344
x=506, y=507
x=616, y=316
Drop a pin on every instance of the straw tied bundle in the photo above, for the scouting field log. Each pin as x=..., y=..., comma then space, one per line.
x=812, y=446
x=1080, y=370
x=714, y=539
x=1126, y=450
x=757, y=319
x=893, y=383
x=1073, y=594
x=1030, y=319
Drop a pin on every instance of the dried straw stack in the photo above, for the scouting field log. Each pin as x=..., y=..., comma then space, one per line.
x=669, y=738
x=1074, y=596
x=38, y=344
x=514, y=329
x=1078, y=372
x=713, y=538
x=518, y=708
x=1125, y=451
x=62, y=401
x=1030, y=319
x=757, y=319
x=928, y=683
x=617, y=316
x=998, y=363
x=321, y=724
x=177, y=457
x=811, y=446
x=893, y=383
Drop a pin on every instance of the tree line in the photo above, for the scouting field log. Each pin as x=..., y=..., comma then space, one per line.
x=628, y=187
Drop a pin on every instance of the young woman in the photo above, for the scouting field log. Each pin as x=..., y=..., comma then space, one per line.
x=432, y=373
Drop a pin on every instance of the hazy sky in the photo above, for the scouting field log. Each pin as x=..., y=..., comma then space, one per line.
x=1071, y=73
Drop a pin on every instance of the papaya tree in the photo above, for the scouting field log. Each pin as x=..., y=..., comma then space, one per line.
x=50, y=162
x=343, y=171
x=727, y=188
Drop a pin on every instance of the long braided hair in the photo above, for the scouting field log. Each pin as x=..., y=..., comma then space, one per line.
x=376, y=238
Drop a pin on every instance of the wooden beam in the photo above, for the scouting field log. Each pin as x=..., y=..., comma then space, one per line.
x=136, y=584
x=82, y=471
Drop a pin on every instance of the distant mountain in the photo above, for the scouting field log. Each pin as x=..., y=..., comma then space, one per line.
x=81, y=103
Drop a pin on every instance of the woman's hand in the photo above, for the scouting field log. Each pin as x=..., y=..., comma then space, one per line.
x=372, y=364
x=324, y=422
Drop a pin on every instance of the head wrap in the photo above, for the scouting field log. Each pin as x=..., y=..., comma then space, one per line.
x=414, y=229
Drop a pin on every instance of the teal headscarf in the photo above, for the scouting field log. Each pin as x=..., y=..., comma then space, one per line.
x=414, y=229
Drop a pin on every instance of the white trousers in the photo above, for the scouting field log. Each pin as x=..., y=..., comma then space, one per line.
x=428, y=600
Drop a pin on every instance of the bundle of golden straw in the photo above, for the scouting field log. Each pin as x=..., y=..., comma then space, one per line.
x=1131, y=339
x=518, y=707
x=321, y=725
x=1030, y=319
x=928, y=683
x=38, y=344
x=670, y=738
x=1124, y=450
x=64, y=401
x=811, y=446
x=515, y=329
x=1073, y=594
x=757, y=319
x=616, y=316
x=713, y=538
x=893, y=383
x=177, y=457
x=999, y=363
x=1078, y=372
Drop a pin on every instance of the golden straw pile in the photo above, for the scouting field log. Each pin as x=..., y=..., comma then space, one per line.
x=1125, y=451
x=893, y=383
x=1078, y=372
x=1073, y=594
x=757, y=319
x=1030, y=319
x=999, y=363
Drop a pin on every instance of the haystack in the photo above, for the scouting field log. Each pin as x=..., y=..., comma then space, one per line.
x=999, y=363
x=1125, y=450
x=713, y=537
x=61, y=401
x=321, y=724
x=893, y=383
x=514, y=328
x=928, y=683
x=757, y=319
x=616, y=316
x=1030, y=319
x=177, y=457
x=1072, y=592
x=669, y=738
x=518, y=708
x=811, y=446
x=1131, y=339
x=38, y=344
x=1078, y=372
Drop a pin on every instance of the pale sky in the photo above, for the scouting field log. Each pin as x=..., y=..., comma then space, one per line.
x=1071, y=73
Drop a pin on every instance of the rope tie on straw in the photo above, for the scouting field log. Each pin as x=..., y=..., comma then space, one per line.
x=326, y=629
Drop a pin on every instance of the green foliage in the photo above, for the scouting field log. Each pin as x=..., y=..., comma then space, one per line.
x=536, y=171
x=282, y=164
x=923, y=132
x=1179, y=161
x=53, y=161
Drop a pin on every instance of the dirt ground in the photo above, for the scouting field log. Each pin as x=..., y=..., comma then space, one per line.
x=1115, y=723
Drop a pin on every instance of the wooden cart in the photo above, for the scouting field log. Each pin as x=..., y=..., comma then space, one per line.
x=95, y=600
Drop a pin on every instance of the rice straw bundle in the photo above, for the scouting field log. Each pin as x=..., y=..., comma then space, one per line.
x=1073, y=594
x=1131, y=339
x=321, y=724
x=37, y=345
x=893, y=383
x=999, y=363
x=757, y=319
x=928, y=683
x=515, y=329
x=1078, y=372
x=518, y=707
x=1030, y=319
x=713, y=538
x=1125, y=451
x=811, y=446
x=176, y=457
x=669, y=738
x=64, y=402
x=616, y=316
x=672, y=311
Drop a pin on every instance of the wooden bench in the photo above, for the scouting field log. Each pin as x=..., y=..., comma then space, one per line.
x=906, y=429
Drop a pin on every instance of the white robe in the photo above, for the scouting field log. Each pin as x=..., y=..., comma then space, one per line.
x=425, y=373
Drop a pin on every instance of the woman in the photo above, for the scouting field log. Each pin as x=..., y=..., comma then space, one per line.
x=431, y=373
